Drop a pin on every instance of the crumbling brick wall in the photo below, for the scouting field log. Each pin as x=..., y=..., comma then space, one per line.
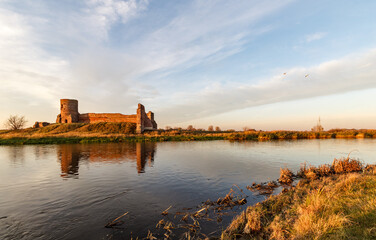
x=69, y=114
x=107, y=117
x=144, y=121
x=40, y=124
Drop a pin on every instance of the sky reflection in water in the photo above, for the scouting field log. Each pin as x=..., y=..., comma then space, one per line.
x=72, y=191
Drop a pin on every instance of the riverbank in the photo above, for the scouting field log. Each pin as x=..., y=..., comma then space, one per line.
x=125, y=132
x=335, y=201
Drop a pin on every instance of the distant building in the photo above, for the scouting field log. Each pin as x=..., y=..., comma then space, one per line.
x=318, y=127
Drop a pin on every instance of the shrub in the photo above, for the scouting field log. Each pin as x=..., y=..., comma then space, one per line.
x=346, y=165
x=286, y=176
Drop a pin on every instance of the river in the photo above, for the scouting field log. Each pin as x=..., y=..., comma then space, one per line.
x=73, y=191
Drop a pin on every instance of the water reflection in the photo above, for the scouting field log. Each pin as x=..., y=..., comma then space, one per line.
x=37, y=204
x=70, y=156
x=16, y=155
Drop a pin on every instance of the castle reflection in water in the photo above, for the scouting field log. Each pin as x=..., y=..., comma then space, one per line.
x=71, y=155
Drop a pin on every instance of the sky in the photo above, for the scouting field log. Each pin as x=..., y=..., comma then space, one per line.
x=262, y=64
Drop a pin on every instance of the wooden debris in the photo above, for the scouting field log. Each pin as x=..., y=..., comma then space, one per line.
x=165, y=212
x=116, y=221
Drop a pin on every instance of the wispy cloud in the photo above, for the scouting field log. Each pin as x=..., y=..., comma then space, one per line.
x=315, y=36
x=47, y=54
x=102, y=14
x=204, y=29
x=351, y=73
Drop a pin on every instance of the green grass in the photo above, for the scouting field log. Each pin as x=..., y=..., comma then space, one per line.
x=108, y=139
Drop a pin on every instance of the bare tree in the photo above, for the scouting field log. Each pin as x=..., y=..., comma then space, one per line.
x=190, y=128
x=168, y=128
x=218, y=129
x=245, y=129
x=15, y=122
x=211, y=128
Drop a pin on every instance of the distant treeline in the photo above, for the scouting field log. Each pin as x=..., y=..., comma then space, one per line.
x=274, y=135
x=123, y=132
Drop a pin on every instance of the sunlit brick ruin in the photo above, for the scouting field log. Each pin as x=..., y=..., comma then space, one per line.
x=69, y=114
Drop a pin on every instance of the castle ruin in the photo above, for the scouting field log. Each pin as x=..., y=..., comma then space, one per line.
x=69, y=114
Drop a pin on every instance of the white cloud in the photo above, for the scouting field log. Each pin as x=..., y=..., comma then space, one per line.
x=204, y=29
x=315, y=36
x=32, y=76
x=85, y=67
x=102, y=14
x=24, y=67
x=350, y=73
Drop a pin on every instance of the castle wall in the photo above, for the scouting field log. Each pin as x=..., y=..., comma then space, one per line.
x=40, y=124
x=145, y=121
x=106, y=117
x=69, y=114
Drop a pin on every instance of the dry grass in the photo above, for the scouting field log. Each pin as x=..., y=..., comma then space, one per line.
x=346, y=165
x=335, y=201
x=126, y=129
x=371, y=169
x=286, y=176
x=72, y=130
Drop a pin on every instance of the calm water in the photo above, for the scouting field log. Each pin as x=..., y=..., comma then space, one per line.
x=72, y=191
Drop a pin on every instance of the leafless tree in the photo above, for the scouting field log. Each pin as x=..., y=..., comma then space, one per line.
x=218, y=129
x=245, y=129
x=190, y=128
x=168, y=128
x=15, y=122
x=211, y=128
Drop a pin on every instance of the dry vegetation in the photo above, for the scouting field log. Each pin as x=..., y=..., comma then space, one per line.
x=15, y=122
x=68, y=133
x=120, y=132
x=336, y=201
x=186, y=224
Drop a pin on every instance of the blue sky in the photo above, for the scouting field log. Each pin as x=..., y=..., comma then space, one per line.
x=262, y=64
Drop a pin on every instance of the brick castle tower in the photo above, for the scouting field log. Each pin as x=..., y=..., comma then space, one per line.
x=68, y=111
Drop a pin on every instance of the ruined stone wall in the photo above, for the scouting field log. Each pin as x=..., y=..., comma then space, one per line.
x=69, y=114
x=106, y=117
x=145, y=121
x=40, y=124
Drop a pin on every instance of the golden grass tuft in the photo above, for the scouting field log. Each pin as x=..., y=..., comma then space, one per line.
x=346, y=165
x=370, y=169
x=253, y=223
x=286, y=176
